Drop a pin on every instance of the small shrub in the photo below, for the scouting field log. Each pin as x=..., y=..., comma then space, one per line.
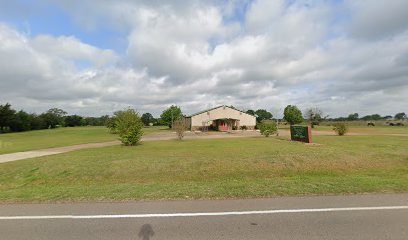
x=180, y=126
x=129, y=126
x=244, y=127
x=268, y=128
x=340, y=128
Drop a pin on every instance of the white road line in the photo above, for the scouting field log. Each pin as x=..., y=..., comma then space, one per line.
x=164, y=215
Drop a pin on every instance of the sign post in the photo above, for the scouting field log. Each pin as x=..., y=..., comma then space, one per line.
x=301, y=133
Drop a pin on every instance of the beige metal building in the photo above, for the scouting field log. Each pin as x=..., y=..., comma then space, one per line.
x=221, y=118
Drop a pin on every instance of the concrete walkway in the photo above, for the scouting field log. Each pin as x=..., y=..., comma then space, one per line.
x=51, y=151
x=151, y=137
x=159, y=136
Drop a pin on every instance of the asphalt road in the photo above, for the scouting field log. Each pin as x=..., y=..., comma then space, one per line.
x=383, y=216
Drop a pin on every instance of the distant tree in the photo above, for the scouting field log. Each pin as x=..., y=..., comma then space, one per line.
x=170, y=114
x=314, y=116
x=103, y=120
x=88, y=121
x=147, y=118
x=262, y=114
x=376, y=117
x=74, y=120
x=373, y=117
x=54, y=117
x=21, y=122
x=96, y=121
x=292, y=115
x=111, y=125
x=129, y=126
x=400, y=116
x=352, y=117
x=251, y=112
x=339, y=119
x=6, y=116
x=37, y=122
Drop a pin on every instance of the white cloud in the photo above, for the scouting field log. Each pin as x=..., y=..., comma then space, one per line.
x=189, y=54
x=72, y=49
x=378, y=19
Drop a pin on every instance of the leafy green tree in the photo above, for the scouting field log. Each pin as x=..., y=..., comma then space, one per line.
x=251, y=112
x=352, y=117
x=267, y=129
x=147, y=118
x=37, y=122
x=171, y=114
x=103, y=120
x=314, y=116
x=292, y=115
x=129, y=126
x=89, y=121
x=74, y=120
x=376, y=117
x=96, y=121
x=6, y=116
x=54, y=117
x=373, y=117
x=262, y=114
x=400, y=116
x=21, y=122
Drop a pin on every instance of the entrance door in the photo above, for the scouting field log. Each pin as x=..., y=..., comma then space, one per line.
x=222, y=126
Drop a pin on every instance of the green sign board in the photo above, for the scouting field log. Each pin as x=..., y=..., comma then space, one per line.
x=301, y=133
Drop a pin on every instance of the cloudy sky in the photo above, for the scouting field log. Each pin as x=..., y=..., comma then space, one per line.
x=93, y=57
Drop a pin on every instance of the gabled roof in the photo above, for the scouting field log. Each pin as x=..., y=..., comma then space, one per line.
x=192, y=115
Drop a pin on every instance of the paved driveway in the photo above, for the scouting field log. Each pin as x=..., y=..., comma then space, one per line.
x=151, y=137
x=159, y=136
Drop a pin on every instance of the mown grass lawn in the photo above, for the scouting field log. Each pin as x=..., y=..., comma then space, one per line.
x=369, y=130
x=213, y=168
x=33, y=140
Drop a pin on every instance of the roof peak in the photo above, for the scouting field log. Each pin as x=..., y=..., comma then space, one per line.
x=232, y=107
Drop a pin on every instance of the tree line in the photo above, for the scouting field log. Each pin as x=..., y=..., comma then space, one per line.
x=167, y=117
x=12, y=120
x=372, y=117
x=291, y=114
x=314, y=116
x=18, y=121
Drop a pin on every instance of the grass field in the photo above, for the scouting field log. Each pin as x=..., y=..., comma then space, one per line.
x=368, y=130
x=32, y=140
x=215, y=168
x=363, y=129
